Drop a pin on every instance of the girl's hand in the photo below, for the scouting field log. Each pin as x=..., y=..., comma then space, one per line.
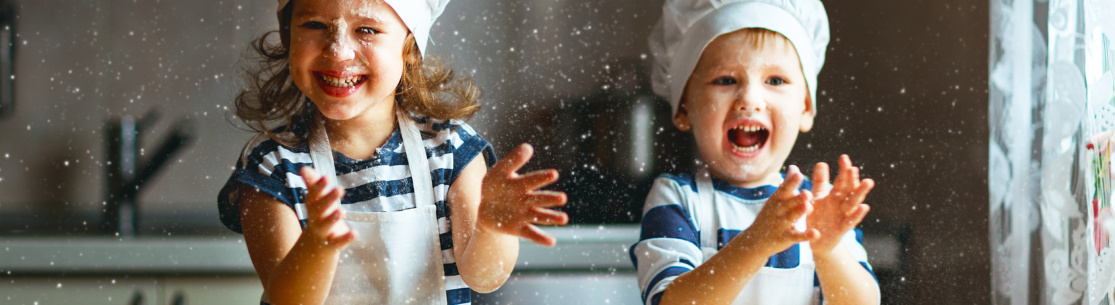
x=512, y=204
x=839, y=207
x=773, y=230
x=325, y=225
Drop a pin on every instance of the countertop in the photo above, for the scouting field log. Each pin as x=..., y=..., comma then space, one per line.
x=579, y=247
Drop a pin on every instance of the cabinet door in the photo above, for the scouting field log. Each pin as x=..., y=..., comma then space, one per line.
x=201, y=290
x=79, y=290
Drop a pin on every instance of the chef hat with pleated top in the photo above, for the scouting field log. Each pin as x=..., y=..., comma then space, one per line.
x=418, y=15
x=688, y=26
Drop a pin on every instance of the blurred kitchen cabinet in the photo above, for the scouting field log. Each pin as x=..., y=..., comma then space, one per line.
x=78, y=290
x=154, y=290
x=212, y=290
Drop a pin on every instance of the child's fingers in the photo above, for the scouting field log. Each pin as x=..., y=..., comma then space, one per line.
x=309, y=175
x=549, y=217
x=514, y=160
x=536, y=235
x=858, y=214
x=842, y=183
x=800, y=206
x=539, y=178
x=793, y=181
x=547, y=199
x=328, y=203
x=312, y=180
x=821, y=184
x=802, y=236
x=343, y=238
x=859, y=194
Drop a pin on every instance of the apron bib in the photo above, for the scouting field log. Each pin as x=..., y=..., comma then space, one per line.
x=770, y=285
x=396, y=258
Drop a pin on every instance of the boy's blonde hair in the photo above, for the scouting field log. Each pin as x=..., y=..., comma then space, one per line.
x=273, y=105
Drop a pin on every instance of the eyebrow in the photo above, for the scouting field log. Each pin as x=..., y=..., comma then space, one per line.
x=368, y=14
x=365, y=15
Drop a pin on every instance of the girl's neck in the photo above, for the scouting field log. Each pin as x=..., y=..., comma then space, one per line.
x=359, y=136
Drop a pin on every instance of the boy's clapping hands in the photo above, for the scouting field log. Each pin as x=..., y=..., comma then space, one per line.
x=774, y=226
x=839, y=206
x=831, y=209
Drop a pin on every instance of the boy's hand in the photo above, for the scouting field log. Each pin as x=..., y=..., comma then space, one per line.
x=839, y=207
x=512, y=204
x=325, y=225
x=773, y=229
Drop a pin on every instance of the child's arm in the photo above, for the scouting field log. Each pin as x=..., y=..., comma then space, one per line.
x=488, y=216
x=720, y=279
x=839, y=208
x=296, y=266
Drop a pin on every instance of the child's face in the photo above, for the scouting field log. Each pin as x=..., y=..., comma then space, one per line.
x=346, y=56
x=746, y=101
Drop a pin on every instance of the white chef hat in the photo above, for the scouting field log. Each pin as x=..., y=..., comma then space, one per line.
x=418, y=15
x=687, y=26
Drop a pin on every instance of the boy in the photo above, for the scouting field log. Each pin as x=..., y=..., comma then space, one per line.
x=742, y=75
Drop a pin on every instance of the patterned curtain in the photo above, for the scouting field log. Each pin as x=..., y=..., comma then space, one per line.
x=1050, y=115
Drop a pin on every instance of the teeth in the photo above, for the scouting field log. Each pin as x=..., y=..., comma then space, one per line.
x=748, y=149
x=341, y=82
x=749, y=128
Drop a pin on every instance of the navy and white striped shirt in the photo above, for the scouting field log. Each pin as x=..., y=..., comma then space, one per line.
x=669, y=242
x=379, y=184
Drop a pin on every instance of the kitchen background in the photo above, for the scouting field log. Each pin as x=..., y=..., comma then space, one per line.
x=903, y=91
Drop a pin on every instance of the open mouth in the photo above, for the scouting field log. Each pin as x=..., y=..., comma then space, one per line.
x=341, y=82
x=747, y=138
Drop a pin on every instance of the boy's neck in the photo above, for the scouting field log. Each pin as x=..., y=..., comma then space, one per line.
x=359, y=136
x=771, y=179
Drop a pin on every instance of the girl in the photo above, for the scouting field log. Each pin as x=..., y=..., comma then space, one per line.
x=368, y=189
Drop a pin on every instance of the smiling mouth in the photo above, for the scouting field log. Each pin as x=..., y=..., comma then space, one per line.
x=747, y=138
x=341, y=82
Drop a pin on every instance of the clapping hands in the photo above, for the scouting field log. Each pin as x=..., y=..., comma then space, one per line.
x=830, y=209
x=839, y=206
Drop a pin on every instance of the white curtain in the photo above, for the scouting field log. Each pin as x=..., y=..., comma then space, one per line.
x=1050, y=95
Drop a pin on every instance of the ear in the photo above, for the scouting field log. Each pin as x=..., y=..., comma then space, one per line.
x=681, y=119
x=807, y=115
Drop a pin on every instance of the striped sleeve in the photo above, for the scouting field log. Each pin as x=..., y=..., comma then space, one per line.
x=853, y=240
x=467, y=145
x=668, y=243
x=269, y=168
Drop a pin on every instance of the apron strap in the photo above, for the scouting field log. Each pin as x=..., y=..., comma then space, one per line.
x=322, y=156
x=320, y=152
x=704, y=213
x=416, y=157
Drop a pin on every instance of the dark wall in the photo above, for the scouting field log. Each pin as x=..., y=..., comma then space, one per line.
x=905, y=94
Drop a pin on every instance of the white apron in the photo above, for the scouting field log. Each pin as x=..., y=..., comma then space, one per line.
x=770, y=285
x=396, y=258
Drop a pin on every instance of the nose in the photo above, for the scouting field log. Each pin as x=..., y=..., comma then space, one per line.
x=340, y=48
x=751, y=99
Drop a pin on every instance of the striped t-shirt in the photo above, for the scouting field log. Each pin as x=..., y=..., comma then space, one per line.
x=380, y=184
x=669, y=242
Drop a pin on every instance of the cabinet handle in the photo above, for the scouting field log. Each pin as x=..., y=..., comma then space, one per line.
x=179, y=299
x=137, y=298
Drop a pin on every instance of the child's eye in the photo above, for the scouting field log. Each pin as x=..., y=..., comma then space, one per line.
x=776, y=81
x=724, y=81
x=367, y=30
x=314, y=25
